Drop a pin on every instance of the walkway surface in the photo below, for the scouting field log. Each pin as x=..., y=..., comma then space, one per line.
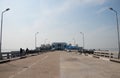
x=79, y=66
x=60, y=64
x=45, y=65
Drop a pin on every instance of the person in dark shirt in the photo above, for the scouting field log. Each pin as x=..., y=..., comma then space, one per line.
x=27, y=51
x=21, y=52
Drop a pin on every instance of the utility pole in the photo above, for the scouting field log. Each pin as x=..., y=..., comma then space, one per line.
x=1, y=32
x=117, y=30
x=83, y=40
x=36, y=39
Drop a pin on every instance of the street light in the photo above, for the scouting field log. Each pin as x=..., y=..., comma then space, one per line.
x=1, y=31
x=83, y=40
x=74, y=42
x=117, y=30
x=36, y=39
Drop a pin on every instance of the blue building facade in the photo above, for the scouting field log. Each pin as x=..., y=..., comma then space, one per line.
x=59, y=45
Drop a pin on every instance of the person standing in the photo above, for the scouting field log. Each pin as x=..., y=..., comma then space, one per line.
x=21, y=52
x=27, y=51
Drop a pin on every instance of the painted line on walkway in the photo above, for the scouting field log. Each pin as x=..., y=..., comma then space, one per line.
x=24, y=69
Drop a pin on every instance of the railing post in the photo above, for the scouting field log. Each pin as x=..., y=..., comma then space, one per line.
x=8, y=57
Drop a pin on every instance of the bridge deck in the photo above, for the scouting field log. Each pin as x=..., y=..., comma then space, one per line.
x=60, y=65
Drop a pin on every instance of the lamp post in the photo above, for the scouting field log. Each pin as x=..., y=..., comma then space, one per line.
x=36, y=39
x=117, y=30
x=74, y=42
x=83, y=40
x=1, y=31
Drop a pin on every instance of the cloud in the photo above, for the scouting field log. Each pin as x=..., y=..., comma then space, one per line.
x=45, y=21
x=49, y=15
x=64, y=7
x=48, y=19
x=94, y=1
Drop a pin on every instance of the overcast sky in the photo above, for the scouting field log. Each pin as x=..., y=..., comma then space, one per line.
x=59, y=21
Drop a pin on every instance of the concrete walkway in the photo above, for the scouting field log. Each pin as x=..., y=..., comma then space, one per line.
x=60, y=64
x=45, y=65
x=79, y=66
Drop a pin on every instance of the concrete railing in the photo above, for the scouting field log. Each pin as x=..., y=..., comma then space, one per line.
x=9, y=55
x=6, y=55
x=13, y=55
x=105, y=54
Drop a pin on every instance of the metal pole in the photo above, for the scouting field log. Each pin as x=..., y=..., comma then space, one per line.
x=74, y=42
x=83, y=40
x=1, y=32
x=118, y=35
x=117, y=31
x=36, y=39
x=1, y=35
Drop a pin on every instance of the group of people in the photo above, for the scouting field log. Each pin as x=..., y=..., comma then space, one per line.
x=24, y=52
